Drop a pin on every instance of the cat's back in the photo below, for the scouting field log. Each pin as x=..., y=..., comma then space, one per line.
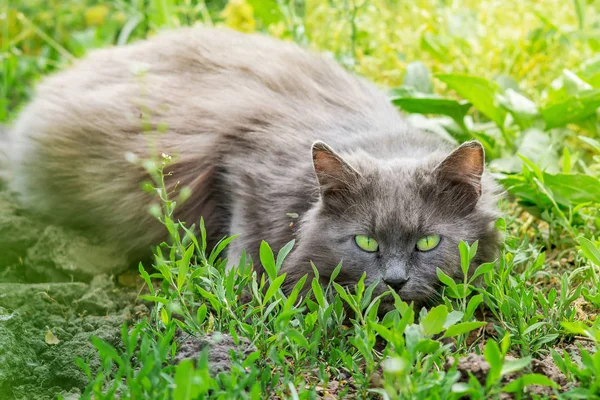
x=192, y=87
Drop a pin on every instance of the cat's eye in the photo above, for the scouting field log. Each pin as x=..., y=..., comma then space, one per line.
x=429, y=242
x=366, y=243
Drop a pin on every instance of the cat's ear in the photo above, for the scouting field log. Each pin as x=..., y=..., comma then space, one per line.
x=335, y=176
x=459, y=175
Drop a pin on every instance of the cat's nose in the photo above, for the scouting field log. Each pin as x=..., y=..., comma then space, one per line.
x=396, y=283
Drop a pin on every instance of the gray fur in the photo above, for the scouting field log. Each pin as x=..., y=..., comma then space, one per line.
x=242, y=113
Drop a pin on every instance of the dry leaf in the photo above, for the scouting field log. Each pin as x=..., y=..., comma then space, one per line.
x=50, y=338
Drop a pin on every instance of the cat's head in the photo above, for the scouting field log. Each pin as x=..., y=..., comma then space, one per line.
x=399, y=220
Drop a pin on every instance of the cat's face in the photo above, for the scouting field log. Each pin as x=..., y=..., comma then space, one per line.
x=398, y=221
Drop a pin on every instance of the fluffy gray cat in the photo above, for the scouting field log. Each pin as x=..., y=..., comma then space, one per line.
x=259, y=130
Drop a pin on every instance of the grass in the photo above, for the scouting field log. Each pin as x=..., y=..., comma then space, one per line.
x=520, y=76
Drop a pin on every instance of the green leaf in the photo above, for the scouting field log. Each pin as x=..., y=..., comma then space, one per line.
x=273, y=287
x=491, y=353
x=576, y=328
x=457, y=110
x=184, y=266
x=267, y=11
x=219, y=248
x=515, y=365
x=589, y=250
x=533, y=327
x=106, y=350
x=448, y=281
x=418, y=77
x=529, y=379
x=465, y=258
x=482, y=269
x=574, y=109
x=580, y=11
x=462, y=328
x=433, y=323
x=479, y=91
x=474, y=302
x=155, y=299
x=268, y=260
x=591, y=142
x=283, y=253
x=452, y=318
x=524, y=111
x=184, y=381
x=201, y=314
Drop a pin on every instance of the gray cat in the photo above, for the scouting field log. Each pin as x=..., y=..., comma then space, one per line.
x=243, y=115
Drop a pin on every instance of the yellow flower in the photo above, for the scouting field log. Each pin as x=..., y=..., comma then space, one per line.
x=239, y=15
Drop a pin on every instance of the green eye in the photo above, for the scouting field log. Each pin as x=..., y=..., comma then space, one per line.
x=428, y=243
x=366, y=243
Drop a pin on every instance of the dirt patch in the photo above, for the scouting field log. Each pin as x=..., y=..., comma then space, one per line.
x=34, y=365
x=475, y=365
x=47, y=287
x=58, y=288
x=218, y=345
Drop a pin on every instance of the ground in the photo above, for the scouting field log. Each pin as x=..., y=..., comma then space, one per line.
x=520, y=76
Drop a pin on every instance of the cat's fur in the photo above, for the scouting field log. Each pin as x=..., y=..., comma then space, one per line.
x=241, y=114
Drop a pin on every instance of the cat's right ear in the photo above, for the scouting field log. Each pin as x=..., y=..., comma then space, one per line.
x=335, y=176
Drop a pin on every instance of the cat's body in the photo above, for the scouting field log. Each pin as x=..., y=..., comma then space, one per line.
x=241, y=113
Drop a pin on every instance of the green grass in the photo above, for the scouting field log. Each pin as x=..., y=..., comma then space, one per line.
x=520, y=76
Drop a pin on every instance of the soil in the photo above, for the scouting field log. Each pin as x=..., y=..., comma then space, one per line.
x=58, y=288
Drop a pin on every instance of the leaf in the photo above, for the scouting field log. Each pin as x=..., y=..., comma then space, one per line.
x=462, y=328
x=184, y=267
x=591, y=142
x=491, y=353
x=474, y=302
x=433, y=323
x=106, y=350
x=185, y=389
x=529, y=379
x=452, y=318
x=580, y=11
x=418, y=77
x=201, y=314
x=267, y=11
x=465, y=258
x=283, y=253
x=164, y=316
x=515, y=365
x=574, y=109
x=479, y=91
x=524, y=111
x=219, y=248
x=273, y=287
x=50, y=338
x=575, y=328
x=448, y=281
x=482, y=269
x=457, y=110
x=589, y=250
x=268, y=260
x=533, y=327
x=436, y=45
x=568, y=189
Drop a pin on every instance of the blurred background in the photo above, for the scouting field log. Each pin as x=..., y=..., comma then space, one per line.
x=521, y=76
x=528, y=42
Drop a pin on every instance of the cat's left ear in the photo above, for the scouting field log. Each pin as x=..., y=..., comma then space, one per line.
x=334, y=174
x=459, y=175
